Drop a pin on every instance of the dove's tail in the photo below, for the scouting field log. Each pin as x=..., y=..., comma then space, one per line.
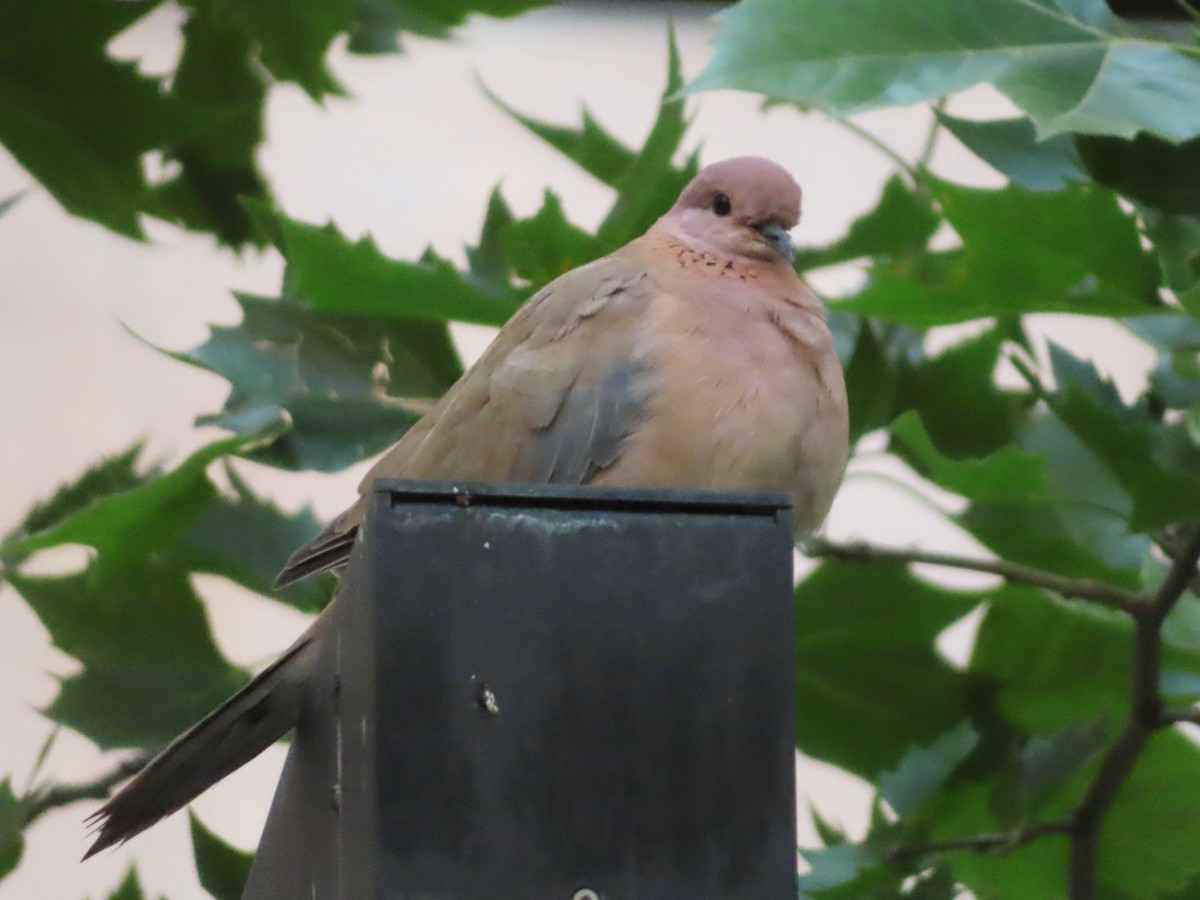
x=228, y=738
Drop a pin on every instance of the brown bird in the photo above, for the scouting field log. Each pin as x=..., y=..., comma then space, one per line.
x=693, y=357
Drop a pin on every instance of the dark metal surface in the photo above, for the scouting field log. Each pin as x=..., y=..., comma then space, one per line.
x=546, y=692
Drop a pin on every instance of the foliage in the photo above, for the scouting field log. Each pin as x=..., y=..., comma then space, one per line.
x=1069, y=484
x=81, y=122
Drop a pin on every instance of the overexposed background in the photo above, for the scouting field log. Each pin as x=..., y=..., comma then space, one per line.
x=410, y=158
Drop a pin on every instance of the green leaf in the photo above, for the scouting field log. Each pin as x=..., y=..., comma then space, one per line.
x=1177, y=243
x=831, y=835
x=292, y=38
x=1079, y=527
x=1145, y=845
x=77, y=120
x=223, y=869
x=1161, y=494
x=1147, y=169
x=1074, y=250
x=869, y=384
x=131, y=617
x=1046, y=764
x=1168, y=331
x=247, y=540
x=1180, y=685
x=150, y=667
x=590, y=147
x=924, y=769
x=1045, y=501
x=901, y=223
x=377, y=21
x=938, y=884
x=116, y=523
x=1011, y=147
x=486, y=260
x=542, y=247
x=221, y=85
x=858, y=872
x=336, y=380
x=1002, y=475
x=837, y=867
x=337, y=276
x=130, y=888
x=1070, y=68
x=111, y=475
x=867, y=665
x=12, y=841
x=964, y=411
x=1037, y=869
x=1057, y=664
x=357, y=279
x=650, y=184
x=1153, y=828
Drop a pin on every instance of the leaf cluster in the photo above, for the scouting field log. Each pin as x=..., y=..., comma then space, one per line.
x=91, y=128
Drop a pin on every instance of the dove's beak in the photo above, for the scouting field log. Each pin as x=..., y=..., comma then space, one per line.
x=777, y=238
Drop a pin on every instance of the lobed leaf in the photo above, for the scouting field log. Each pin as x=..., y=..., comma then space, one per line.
x=130, y=887
x=223, y=869
x=925, y=768
x=334, y=385
x=12, y=841
x=900, y=224
x=340, y=277
x=1012, y=148
x=77, y=120
x=1073, y=250
x=650, y=184
x=866, y=664
x=1071, y=67
x=377, y=22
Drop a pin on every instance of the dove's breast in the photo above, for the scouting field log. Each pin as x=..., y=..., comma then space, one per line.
x=744, y=392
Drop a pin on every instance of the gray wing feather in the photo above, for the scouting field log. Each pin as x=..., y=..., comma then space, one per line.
x=586, y=433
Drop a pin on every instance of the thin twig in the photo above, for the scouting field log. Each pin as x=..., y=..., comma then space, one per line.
x=1069, y=588
x=1171, y=543
x=1179, y=578
x=1000, y=842
x=1175, y=716
x=41, y=800
x=1145, y=715
x=931, y=139
x=862, y=133
x=1146, y=712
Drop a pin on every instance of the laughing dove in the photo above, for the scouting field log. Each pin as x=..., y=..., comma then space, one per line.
x=693, y=357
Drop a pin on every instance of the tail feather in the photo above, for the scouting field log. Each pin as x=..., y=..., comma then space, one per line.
x=228, y=738
x=328, y=551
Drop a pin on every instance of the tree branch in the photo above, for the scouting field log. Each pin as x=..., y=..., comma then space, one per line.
x=1000, y=842
x=1068, y=588
x=1175, y=716
x=1146, y=712
x=1145, y=715
x=41, y=800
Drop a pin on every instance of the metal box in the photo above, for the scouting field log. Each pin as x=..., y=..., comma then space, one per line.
x=549, y=692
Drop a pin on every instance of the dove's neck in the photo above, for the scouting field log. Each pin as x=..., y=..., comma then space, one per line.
x=702, y=268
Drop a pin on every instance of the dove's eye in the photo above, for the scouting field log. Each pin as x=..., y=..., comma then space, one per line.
x=721, y=205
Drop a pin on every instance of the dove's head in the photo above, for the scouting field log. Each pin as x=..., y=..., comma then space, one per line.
x=744, y=206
